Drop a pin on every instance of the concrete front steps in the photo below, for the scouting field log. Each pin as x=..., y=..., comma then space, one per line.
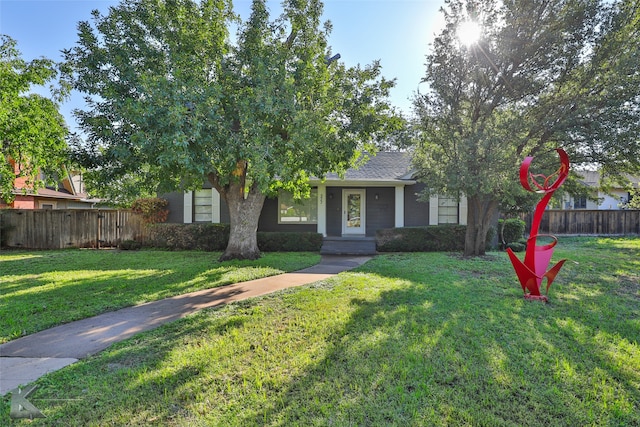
x=348, y=245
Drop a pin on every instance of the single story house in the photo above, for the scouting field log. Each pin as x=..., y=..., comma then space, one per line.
x=381, y=193
x=616, y=199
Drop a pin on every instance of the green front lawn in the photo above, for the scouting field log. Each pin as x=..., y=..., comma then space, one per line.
x=425, y=339
x=42, y=289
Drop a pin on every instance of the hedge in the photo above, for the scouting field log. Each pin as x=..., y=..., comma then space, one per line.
x=432, y=238
x=289, y=241
x=202, y=237
x=214, y=237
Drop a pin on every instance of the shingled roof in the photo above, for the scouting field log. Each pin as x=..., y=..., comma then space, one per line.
x=384, y=166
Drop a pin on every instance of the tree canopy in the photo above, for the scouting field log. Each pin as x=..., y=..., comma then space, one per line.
x=32, y=131
x=174, y=98
x=541, y=75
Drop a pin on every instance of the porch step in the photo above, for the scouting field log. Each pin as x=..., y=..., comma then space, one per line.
x=348, y=246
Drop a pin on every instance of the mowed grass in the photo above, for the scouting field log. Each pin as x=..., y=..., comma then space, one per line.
x=405, y=340
x=42, y=289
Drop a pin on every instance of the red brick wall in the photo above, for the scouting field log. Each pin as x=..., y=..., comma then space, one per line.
x=24, y=202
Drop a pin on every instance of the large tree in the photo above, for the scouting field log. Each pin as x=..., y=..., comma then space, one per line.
x=173, y=98
x=32, y=131
x=542, y=74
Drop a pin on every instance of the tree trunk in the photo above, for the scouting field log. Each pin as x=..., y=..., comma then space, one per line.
x=244, y=213
x=481, y=210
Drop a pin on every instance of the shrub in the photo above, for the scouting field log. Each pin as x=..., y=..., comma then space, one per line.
x=431, y=238
x=130, y=245
x=152, y=209
x=203, y=237
x=214, y=237
x=289, y=241
x=512, y=230
x=516, y=246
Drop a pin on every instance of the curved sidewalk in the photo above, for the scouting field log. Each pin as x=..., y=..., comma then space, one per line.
x=26, y=359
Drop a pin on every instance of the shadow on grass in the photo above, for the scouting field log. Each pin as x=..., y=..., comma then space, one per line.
x=419, y=357
x=426, y=355
x=50, y=288
x=128, y=370
x=423, y=340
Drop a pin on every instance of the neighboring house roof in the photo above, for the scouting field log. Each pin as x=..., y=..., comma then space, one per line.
x=592, y=178
x=56, y=194
x=70, y=188
x=382, y=168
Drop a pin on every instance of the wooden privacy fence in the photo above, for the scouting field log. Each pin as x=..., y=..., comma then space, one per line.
x=589, y=222
x=73, y=228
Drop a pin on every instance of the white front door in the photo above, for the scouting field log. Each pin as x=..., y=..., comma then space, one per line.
x=353, y=208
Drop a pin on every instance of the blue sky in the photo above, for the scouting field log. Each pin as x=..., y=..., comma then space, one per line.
x=397, y=32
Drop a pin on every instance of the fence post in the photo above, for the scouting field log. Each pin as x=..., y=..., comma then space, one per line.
x=98, y=227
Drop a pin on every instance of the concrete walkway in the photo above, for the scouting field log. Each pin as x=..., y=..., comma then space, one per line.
x=26, y=359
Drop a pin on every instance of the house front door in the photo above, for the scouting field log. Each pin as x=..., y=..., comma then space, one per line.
x=353, y=209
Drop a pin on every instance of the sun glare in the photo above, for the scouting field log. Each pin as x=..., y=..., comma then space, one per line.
x=469, y=32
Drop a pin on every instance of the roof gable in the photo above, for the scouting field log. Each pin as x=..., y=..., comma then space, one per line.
x=384, y=166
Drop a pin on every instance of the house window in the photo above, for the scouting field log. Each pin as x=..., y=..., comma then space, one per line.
x=293, y=211
x=46, y=206
x=202, y=206
x=447, y=210
x=580, y=202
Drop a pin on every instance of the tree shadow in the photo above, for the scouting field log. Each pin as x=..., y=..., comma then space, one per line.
x=32, y=300
x=419, y=347
x=425, y=356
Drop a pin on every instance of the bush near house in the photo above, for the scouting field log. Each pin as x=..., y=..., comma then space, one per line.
x=432, y=238
x=152, y=209
x=214, y=237
x=202, y=237
x=289, y=242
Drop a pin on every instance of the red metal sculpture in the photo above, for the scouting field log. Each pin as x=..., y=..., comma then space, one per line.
x=533, y=270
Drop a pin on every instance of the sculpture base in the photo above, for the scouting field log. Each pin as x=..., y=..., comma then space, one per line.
x=536, y=297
